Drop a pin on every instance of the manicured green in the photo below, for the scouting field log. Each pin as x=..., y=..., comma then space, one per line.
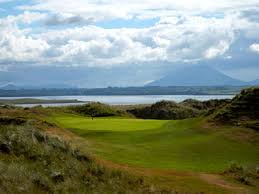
x=107, y=123
x=181, y=145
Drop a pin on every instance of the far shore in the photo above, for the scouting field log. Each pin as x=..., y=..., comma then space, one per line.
x=37, y=101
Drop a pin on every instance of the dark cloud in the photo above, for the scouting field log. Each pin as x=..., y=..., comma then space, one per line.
x=58, y=19
x=251, y=14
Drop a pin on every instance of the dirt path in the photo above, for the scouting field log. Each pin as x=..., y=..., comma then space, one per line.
x=219, y=181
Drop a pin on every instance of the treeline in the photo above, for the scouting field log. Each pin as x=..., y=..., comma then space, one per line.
x=171, y=90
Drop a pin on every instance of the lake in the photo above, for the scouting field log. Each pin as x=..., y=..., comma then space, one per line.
x=122, y=100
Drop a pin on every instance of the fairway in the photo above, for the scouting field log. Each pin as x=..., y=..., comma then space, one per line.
x=180, y=145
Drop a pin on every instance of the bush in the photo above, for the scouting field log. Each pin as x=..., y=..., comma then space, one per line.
x=243, y=179
x=11, y=121
x=247, y=176
x=235, y=167
x=165, y=110
x=242, y=110
x=257, y=170
x=96, y=109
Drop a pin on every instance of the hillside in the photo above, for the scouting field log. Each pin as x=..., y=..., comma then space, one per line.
x=33, y=161
x=171, y=110
x=197, y=76
x=242, y=110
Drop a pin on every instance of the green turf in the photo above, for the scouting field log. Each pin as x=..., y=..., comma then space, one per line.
x=180, y=145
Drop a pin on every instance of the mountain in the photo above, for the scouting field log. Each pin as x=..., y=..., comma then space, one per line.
x=254, y=83
x=35, y=87
x=197, y=76
x=10, y=87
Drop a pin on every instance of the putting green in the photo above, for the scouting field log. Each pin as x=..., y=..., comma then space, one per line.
x=180, y=145
x=107, y=124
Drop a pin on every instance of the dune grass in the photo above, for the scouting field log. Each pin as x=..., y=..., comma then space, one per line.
x=180, y=145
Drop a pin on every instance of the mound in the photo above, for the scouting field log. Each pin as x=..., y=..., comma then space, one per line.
x=242, y=110
x=171, y=110
x=165, y=110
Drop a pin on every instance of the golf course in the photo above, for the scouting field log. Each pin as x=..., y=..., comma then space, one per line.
x=187, y=147
x=180, y=145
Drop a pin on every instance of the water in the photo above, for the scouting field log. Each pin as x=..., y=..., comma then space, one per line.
x=121, y=100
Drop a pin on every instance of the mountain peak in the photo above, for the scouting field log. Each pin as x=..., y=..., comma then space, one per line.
x=196, y=76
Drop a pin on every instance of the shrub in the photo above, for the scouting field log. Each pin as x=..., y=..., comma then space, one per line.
x=165, y=110
x=247, y=176
x=235, y=167
x=242, y=110
x=96, y=109
x=244, y=179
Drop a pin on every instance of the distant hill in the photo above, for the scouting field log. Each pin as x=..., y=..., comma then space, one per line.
x=10, y=87
x=35, y=87
x=197, y=76
x=254, y=83
x=172, y=90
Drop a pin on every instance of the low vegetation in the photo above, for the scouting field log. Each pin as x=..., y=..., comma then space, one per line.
x=244, y=175
x=33, y=162
x=171, y=110
x=243, y=110
x=96, y=109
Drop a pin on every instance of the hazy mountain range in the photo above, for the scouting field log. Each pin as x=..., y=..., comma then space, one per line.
x=202, y=75
x=199, y=76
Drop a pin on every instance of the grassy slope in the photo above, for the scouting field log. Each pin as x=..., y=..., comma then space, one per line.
x=181, y=145
x=33, y=161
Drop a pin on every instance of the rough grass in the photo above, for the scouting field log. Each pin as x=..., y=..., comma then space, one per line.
x=181, y=145
x=243, y=110
x=33, y=162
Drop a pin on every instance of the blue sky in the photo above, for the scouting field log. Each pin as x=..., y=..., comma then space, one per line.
x=142, y=40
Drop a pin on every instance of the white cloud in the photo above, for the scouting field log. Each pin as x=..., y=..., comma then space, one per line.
x=97, y=46
x=217, y=50
x=254, y=48
x=17, y=45
x=26, y=17
x=124, y=9
x=185, y=38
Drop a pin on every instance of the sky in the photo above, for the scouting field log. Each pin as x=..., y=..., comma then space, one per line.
x=94, y=43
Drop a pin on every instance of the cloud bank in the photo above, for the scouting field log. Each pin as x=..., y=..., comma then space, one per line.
x=53, y=32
